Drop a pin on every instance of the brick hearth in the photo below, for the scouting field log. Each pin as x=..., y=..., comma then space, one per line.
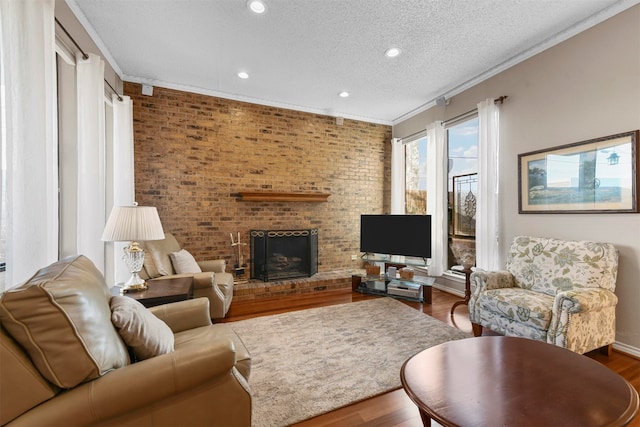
x=255, y=289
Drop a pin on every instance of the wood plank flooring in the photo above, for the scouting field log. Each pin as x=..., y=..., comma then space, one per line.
x=395, y=408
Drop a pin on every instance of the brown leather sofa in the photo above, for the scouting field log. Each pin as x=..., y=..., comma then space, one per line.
x=63, y=363
x=212, y=283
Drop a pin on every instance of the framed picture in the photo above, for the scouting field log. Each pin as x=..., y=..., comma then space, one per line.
x=595, y=176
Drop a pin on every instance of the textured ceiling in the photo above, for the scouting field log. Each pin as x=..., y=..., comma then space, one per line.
x=302, y=53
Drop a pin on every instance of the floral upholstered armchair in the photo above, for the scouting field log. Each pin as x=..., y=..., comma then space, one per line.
x=561, y=292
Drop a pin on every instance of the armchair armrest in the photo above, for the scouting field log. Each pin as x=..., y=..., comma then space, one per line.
x=580, y=300
x=184, y=315
x=215, y=265
x=485, y=280
x=138, y=386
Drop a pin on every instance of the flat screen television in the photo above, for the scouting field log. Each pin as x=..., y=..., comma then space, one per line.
x=407, y=235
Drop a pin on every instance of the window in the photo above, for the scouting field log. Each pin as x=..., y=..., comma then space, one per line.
x=415, y=152
x=462, y=143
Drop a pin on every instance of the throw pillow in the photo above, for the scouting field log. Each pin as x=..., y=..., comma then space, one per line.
x=147, y=335
x=184, y=262
x=61, y=317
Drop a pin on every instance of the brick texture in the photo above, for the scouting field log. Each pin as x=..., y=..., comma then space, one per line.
x=194, y=153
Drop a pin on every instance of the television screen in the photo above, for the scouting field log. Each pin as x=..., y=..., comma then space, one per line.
x=408, y=235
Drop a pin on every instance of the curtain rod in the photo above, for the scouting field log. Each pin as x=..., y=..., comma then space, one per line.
x=499, y=100
x=85, y=56
x=114, y=91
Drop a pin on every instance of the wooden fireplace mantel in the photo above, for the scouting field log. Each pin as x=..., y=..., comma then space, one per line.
x=268, y=196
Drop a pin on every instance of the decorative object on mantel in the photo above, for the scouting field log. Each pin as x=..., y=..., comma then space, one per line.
x=269, y=196
x=465, y=253
x=240, y=265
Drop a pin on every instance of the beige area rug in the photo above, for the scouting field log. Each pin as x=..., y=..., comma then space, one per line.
x=313, y=361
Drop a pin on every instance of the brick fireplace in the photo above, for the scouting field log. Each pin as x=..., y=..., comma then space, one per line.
x=195, y=154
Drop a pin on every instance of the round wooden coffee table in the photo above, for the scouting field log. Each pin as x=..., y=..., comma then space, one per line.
x=507, y=381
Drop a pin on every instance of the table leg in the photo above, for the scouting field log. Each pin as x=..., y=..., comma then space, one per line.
x=427, y=294
x=426, y=419
x=467, y=291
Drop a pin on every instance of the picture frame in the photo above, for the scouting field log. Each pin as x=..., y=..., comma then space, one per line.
x=594, y=176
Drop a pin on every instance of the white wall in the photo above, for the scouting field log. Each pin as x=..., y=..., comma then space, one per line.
x=583, y=88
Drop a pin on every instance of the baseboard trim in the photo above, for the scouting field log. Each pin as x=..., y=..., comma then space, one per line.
x=627, y=350
x=448, y=289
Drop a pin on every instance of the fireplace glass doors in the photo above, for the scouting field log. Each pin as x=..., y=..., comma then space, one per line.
x=284, y=254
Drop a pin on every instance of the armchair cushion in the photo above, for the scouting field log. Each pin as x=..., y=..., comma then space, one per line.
x=61, y=317
x=184, y=262
x=532, y=309
x=147, y=335
x=547, y=265
x=156, y=261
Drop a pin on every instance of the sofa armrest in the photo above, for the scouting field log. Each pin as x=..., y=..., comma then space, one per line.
x=138, y=386
x=184, y=315
x=485, y=280
x=215, y=265
x=579, y=300
x=206, y=279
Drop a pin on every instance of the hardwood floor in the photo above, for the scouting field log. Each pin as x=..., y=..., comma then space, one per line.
x=395, y=408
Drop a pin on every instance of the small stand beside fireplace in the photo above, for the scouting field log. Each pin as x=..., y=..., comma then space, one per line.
x=284, y=254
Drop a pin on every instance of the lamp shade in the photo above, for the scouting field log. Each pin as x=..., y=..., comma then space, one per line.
x=133, y=223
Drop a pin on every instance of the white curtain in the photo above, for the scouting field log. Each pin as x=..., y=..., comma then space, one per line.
x=397, y=177
x=91, y=158
x=123, y=176
x=437, y=196
x=487, y=210
x=29, y=143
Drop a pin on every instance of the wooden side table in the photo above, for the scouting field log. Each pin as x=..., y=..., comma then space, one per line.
x=162, y=291
x=467, y=290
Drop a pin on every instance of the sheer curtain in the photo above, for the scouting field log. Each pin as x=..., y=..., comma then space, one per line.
x=91, y=158
x=487, y=211
x=437, y=196
x=123, y=177
x=397, y=177
x=29, y=143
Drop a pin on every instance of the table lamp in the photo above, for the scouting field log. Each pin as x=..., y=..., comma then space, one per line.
x=133, y=224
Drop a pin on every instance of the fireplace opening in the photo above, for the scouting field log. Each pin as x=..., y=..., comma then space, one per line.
x=284, y=254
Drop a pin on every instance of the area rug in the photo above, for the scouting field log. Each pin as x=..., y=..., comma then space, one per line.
x=310, y=362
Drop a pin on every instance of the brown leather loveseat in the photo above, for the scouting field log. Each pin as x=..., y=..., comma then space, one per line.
x=64, y=363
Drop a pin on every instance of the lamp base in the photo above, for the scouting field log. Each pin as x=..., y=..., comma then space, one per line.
x=134, y=284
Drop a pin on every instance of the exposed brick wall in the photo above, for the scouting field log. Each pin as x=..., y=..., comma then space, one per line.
x=194, y=153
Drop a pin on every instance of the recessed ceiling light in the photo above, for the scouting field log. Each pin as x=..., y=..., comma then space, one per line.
x=243, y=75
x=257, y=6
x=392, y=52
x=343, y=94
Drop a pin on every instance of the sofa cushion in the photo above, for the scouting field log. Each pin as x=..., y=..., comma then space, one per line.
x=183, y=262
x=61, y=317
x=147, y=335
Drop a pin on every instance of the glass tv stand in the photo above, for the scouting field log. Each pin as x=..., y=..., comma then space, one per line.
x=417, y=289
